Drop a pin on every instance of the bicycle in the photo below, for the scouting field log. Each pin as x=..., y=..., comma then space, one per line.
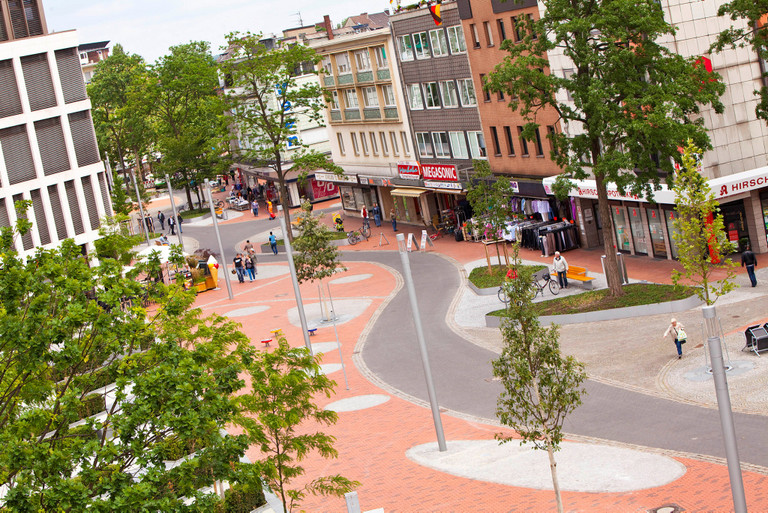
x=365, y=231
x=354, y=237
x=538, y=288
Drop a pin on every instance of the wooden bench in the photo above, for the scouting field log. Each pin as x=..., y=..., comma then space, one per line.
x=578, y=274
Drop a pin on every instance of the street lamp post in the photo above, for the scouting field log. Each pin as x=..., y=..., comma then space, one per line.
x=218, y=238
x=141, y=208
x=175, y=215
x=294, y=279
x=422, y=344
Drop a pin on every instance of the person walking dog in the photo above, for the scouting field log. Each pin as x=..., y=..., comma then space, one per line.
x=561, y=268
x=676, y=328
x=749, y=260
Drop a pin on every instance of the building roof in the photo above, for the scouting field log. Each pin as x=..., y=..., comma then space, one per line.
x=374, y=21
x=88, y=47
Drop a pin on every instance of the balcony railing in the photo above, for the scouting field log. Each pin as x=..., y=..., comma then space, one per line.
x=382, y=74
x=372, y=113
x=365, y=76
x=391, y=113
x=345, y=79
x=335, y=115
x=351, y=114
x=328, y=81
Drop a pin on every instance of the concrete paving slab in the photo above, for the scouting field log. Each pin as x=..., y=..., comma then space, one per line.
x=351, y=279
x=330, y=368
x=346, y=310
x=581, y=467
x=360, y=402
x=249, y=310
x=207, y=220
x=324, y=347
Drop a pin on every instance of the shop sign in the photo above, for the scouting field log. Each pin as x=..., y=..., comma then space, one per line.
x=376, y=180
x=332, y=177
x=323, y=189
x=409, y=170
x=741, y=185
x=456, y=186
x=438, y=172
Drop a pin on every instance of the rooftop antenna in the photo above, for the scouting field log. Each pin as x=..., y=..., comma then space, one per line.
x=301, y=22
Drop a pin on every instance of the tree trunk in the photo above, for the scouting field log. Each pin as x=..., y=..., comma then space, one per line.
x=553, y=471
x=612, y=275
x=188, y=190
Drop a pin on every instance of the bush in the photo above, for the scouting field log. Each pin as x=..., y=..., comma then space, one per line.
x=174, y=448
x=482, y=279
x=242, y=499
x=91, y=405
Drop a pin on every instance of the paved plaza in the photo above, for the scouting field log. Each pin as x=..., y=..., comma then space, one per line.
x=647, y=436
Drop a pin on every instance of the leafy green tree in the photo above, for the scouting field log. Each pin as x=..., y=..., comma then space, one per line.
x=634, y=100
x=115, y=241
x=541, y=386
x=700, y=232
x=489, y=196
x=314, y=256
x=267, y=101
x=752, y=31
x=284, y=383
x=97, y=392
x=192, y=128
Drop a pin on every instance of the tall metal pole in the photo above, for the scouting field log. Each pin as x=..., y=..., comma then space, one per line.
x=218, y=238
x=294, y=279
x=724, y=407
x=422, y=344
x=143, y=222
x=336, y=331
x=175, y=215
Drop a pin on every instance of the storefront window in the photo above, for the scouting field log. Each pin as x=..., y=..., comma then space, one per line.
x=622, y=230
x=347, y=198
x=671, y=216
x=657, y=234
x=765, y=217
x=734, y=219
x=638, y=230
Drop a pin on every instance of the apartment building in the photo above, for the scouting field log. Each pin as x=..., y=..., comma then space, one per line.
x=367, y=117
x=90, y=55
x=48, y=150
x=737, y=166
x=442, y=107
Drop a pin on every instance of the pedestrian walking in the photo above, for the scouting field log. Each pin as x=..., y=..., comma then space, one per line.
x=271, y=211
x=561, y=268
x=149, y=224
x=161, y=219
x=255, y=261
x=247, y=247
x=676, y=328
x=273, y=243
x=171, y=225
x=376, y=212
x=364, y=216
x=749, y=260
x=239, y=269
x=180, y=221
x=393, y=218
x=249, y=268
x=255, y=207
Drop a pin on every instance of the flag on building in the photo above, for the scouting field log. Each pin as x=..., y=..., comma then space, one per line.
x=435, y=11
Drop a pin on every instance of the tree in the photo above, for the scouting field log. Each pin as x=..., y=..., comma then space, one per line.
x=489, y=197
x=700, y=232
x=634, y=101
x=314, y=256
x=541, y=387
x=97, y=393
x=190, y=117
x=267, y=101
x=753, y=31
x=283, y=384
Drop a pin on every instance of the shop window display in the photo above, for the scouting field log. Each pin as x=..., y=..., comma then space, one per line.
x=638, y=230
x=657, y=233
x=622, y=230
x=671, y=216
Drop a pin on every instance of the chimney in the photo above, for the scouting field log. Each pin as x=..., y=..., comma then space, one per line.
x=328, y=26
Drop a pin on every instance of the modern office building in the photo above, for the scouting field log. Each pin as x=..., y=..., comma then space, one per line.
x=48, y=150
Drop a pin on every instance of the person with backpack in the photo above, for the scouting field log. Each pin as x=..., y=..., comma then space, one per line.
x=249, y=268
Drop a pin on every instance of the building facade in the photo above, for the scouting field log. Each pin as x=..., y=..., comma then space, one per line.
x=367, y=117
x=48, y=150
x=90, y=55
x=737, y=166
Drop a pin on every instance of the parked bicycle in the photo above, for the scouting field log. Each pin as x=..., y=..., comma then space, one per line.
x=356, y=236
x=365, y=231
x=537, y=286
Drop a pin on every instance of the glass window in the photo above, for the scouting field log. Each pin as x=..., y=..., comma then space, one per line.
x=424, y=143
x=621, y=228
x=638, y=230
x=486, y=92
x=442, y=148
x=370, y=97
x=477, y=145
x=405, y=43
x=389, y=95
x=381, y=57
x=364, y=143
x=326, y=64
x=374, y=144
x=347, y=197
x=421, y=45
x=342, y=63
x=414, y=97
x=350, y=98
x=657, y=233
x=510, y=144
x=456, y=39
x=406, y=147
x=384, y=146
x=431, y=95
x=467, y=92
x=458, y=145
x=523, y=142
x=335, y=100
x=439, y=44
x=495, y=139
x=539, y=146
x=475, y=36
x=340, y=138
x=355, y=146
x=393, y=138
x=671, y=230
x=448, y=92
x=488, y=33
x=362, y=60
x=502, y=30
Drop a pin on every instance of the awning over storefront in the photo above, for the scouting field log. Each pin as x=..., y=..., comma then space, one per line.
x=408, y=192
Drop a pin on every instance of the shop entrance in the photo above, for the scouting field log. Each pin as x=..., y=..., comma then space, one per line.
x=598, y=222
x=657, y=233
x=734, y=218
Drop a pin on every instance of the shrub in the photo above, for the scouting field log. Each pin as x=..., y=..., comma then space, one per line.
x=242, y=499
x=91, y=405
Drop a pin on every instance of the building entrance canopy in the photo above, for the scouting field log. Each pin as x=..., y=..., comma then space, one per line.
x=408, y=192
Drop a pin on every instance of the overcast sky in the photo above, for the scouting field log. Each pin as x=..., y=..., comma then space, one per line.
x=150, y=27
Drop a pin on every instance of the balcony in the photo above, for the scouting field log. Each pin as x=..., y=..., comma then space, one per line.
x=345, y=79
x=374, y=113
x=365, y=76
x=352, y=115
x=335, y=115
x=382, y=74
x=328, y=81
x=391, y=113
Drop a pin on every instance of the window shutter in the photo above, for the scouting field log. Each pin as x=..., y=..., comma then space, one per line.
x=90, y=202
x=74, y=206
x=18, y=24
x=58, y=213
x=37, y=76
x=26, y=239
x=17, y=154
x=84, y=138
x=40, y=220
x=3, y=30
x=4, y=221
x=105, y=193
x=32, y=13
x=53, y=149
x=10, y=103
x=71, y=75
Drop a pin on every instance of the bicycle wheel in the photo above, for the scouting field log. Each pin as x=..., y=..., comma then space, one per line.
x=537, y=289
x=352, y=238
x=503, y=295
x=365, y=231
x=554, y=287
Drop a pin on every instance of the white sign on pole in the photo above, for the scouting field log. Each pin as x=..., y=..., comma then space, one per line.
x=423, y=244
x=411, y=242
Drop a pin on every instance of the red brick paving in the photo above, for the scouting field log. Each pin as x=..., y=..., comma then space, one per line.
x=372, y=442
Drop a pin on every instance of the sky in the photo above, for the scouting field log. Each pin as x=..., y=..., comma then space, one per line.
x=150, y=27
